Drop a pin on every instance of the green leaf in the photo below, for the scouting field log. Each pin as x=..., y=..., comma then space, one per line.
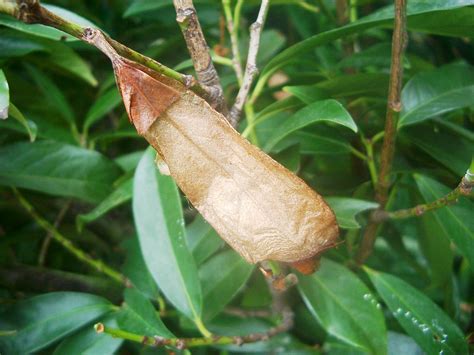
x=203, y=240
x=128, y=162
x=402, y=344
x=371, y=84
x=160, y=225
x=139, y=316
x=16, y=44
x=378, y=55
x=311, y=143
x=455, y=220
x=53, y=95
x=42, y=320
x=57, y=169
x=103, y=105
x=289, y=157
x=222, y=277
x=432, y=93
x=423, y=320
x=346, y=210
x=4, y=96
x=141, y=6
x=345, y=307
x=120, y=195
x=136, y=271
x=88, y=342
x=380, y=18
x=30, y=126
x=327, y=110
x=447, y=147
x=47, y=31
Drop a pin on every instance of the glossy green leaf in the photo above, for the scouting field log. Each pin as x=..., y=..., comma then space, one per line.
x=57, y=169
x=222, y=277
x=289, y=157
x=103, y=105
x=142, y=6
x=120, y=195
x=346, y=210
x=430, y=94
x=39, y=321
x=29, y=126
x=160, y=226
x=4, y=96
x=45, y=31
x=203, y=240
x=422, y=319
x=378, y=55
x=16, y=44
x=373, y=84
x=401, y=344
x=128, y=162
x=53, y=95
x=88, y=342
x=345, y=307
x=455, y=220
x=327, y=110
x=447, y=147
x=311, y=143
x=380, y=18
x=136, y=271
x=140, y=317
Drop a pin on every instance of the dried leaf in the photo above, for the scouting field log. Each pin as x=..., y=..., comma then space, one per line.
x=261, y=209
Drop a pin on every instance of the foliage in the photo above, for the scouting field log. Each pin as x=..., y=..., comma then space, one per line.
x=318, y=107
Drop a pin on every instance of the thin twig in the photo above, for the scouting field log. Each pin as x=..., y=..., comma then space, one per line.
x=47, y=239
x=208, y=78
x=463, y=189
x=394, y=106
x=98, y=265
x=251, y=69
x=183, y=343
x=233, y=28
x=30, y=11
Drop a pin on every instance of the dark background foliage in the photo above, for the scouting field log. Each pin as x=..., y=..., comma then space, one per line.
x=69, y=148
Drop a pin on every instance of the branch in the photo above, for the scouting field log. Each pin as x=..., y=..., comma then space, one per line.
x=251, y=69
x=233, y=28
x=30, y=11
x=208, y=78
x=463, y=189
x=68, y=245
x=394, y=106
x=183, y=343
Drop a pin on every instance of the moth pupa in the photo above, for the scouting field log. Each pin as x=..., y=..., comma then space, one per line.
x=261, y=209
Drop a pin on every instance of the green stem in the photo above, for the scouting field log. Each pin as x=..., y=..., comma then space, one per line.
x=68, y=245
x=369, y=148
x=463, y=189
x=33, y=12
x=202, y=328
x=250, y=115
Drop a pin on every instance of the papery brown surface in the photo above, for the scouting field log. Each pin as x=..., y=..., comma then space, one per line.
x=260, y=208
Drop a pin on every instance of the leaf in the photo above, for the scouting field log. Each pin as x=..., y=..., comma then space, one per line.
x=432, y=93
x=104, y=104
x=456, y=220
x=376, y=55
x=4, y=96
x=203, y=241
x=402, y=344
x=380, y=18
x=160, y=226
x=88, y=342
x=423, y=320
x=136, y=271
x=141, y=6
x=222, y=277
x=139, y=316
x=346, y=210
x=373, y=84
x=311, y=143
x=30, y=126
x=354, y=317
x=57, y=169
x=41, y=320
x=16, y=44
x=128, y=162
x=327, y=110
x=46, y=31
x=54, y=97
x=289, y=157
x=120, y=195
x=446, y=147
